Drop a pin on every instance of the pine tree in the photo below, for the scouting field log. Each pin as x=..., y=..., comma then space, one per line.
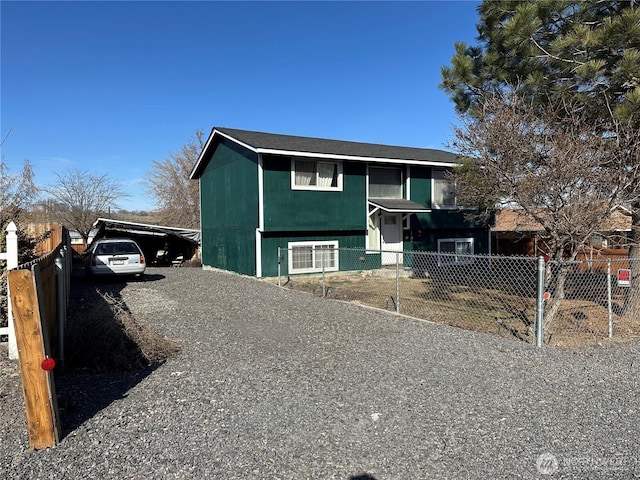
x=584, y=51
x=574, y=56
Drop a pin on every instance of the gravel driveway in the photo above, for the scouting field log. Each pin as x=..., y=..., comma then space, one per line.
x=278, y=384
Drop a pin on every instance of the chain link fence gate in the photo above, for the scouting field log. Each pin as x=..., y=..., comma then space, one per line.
x=506, y=296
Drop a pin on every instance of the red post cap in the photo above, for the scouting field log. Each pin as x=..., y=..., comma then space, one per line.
x=48, y=364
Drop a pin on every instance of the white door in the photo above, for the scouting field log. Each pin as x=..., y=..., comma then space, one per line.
x=391, y=233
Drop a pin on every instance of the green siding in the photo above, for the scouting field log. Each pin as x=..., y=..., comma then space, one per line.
x=230, y=248
x=299, y=210
x=437, y=218
x=442, y=219
x=427, y=228
x=420, y=185
x=229, y=194
x=427, y=241
x=347, y=260
x=229, y=190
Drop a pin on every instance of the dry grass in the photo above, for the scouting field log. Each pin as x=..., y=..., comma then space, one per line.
x=103, y=335
x=499, y=312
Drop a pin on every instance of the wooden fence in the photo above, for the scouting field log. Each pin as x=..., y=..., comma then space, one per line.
x=38, y=299
x=594, y=258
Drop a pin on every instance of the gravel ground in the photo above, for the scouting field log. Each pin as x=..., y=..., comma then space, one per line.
x=278, y=384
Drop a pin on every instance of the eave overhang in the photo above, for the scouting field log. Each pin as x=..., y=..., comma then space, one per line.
x=397, y=205
x=215, y=133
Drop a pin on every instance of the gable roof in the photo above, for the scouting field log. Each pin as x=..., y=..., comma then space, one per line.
x=276, y=144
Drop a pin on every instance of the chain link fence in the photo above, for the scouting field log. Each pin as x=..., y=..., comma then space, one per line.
x=564, y=304
x=589, y=300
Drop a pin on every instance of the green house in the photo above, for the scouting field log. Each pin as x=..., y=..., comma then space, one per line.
x=261, y=191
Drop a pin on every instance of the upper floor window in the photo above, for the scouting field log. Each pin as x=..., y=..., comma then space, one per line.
x=444, y=190
x=385, y=182
x=315, y=175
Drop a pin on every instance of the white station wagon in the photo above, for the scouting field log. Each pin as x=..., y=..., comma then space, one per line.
x=114, y=256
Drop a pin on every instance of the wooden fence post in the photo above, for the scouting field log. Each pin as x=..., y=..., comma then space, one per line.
x=37, y=383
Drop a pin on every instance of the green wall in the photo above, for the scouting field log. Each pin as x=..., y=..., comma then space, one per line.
x=346, y=239
x=303, y=210
x=420, y=185
x=438, y=218
x=427, y=228
x=229, y=195
x=427, y=240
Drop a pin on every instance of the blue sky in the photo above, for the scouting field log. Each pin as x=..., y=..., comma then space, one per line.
x=111, y=86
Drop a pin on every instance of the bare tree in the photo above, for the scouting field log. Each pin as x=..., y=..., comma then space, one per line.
x=17, y=193
x=555, y=165
x=82, y=197
x=177, y=197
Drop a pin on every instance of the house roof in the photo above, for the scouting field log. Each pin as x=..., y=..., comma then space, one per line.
x=517, y=220
x=271, y=143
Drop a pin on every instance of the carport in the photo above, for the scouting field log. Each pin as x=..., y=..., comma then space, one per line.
x=161, y=245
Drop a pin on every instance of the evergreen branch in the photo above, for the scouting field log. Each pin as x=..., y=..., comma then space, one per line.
x=555, y=57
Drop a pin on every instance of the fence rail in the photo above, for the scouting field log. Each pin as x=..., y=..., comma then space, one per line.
x=514, y=297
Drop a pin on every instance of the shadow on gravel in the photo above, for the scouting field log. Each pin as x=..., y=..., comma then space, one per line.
x=82, y=395
x=118, y=280
x=107, y=350
x=364, y=476
x=152, y=277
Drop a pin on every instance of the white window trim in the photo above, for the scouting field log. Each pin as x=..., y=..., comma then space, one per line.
x=315, y=187
x=435, y=205
x=452, y=258
x=313, y=244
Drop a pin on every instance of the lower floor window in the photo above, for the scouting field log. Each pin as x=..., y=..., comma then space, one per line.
x=459, y=250
x=310, y=257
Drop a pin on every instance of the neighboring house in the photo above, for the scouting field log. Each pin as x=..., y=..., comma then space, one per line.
x=77, y=242
x=517, y=233
x=260, y=191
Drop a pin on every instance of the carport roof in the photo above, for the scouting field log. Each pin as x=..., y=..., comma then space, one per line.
x=134, y=228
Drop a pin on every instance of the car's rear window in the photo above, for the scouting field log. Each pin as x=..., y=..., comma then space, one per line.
x=119, y=248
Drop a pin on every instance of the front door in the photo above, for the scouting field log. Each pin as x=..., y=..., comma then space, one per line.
x=391, y=233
